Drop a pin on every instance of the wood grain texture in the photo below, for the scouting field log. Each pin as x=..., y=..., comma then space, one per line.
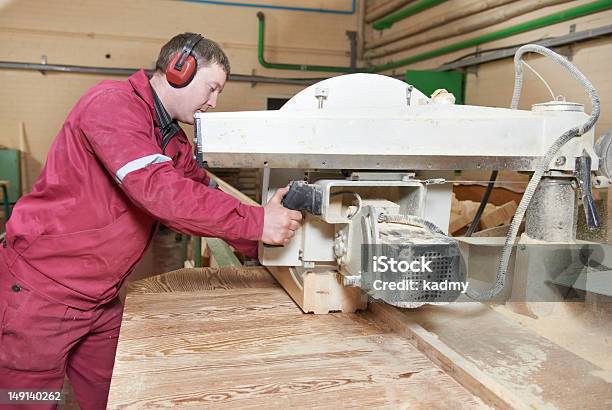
x=320, y=293
x=506, y=364
x=187, y=280
x=251, y=347
x=464, y=371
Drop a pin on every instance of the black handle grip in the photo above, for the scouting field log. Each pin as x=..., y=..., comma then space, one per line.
x=303, y=197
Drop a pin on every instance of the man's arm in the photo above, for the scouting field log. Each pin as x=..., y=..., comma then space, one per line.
x=190, y=167
x=116, y=128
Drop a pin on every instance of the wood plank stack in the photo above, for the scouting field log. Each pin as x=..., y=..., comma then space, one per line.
x=462, y=214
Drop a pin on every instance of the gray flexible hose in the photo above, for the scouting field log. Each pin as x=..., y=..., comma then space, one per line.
x=410, y=220
x=543, y=165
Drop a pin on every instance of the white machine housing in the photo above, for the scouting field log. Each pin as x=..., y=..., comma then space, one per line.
x=366, y=131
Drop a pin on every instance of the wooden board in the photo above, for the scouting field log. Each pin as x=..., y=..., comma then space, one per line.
x=499, y=216
x=320, y=293
x=193, y=279
x=220, y=253
x=506, y=364
x=240, y=347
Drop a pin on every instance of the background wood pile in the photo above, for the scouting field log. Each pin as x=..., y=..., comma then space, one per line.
x=462, y=214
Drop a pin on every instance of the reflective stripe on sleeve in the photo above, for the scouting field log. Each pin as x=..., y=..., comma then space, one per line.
x=140, y=163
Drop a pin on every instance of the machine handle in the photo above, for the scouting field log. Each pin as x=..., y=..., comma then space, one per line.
x=303, y=197
x=583, y=174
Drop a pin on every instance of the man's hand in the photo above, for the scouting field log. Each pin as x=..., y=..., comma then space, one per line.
x=280, y=223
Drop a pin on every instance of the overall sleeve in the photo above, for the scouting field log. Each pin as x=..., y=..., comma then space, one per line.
x=119, y=131
x=190, y=167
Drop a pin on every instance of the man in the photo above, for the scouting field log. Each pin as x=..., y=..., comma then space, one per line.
x=118, y=167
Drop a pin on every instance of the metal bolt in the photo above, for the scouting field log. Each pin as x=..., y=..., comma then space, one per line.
x=560, y=161
x=321, y=94
x=409, y=94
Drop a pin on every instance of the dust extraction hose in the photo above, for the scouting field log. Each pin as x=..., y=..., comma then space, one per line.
x=410, y=220
x=543, y=165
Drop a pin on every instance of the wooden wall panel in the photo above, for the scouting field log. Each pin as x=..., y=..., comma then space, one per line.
x=492, y=84
x=131, y=34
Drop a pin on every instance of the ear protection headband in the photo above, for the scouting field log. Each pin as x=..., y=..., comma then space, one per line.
x=183, y=66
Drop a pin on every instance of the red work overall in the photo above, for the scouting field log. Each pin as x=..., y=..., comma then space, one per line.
x=75, y=238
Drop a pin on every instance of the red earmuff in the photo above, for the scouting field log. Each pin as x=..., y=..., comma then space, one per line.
x=183, y=66
x=180, y=78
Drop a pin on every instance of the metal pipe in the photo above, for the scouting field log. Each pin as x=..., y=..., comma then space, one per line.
x=361, y=30
x=282, y=66
x=486, y=57
x=63, y=68
x=491, y=18
x=443, y=18
x=269, y=6
x=383, y=10
x=411, y=10
x=544, y=21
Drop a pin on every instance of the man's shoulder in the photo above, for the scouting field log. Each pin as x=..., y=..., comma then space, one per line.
x=110, y=96
x=116, y=89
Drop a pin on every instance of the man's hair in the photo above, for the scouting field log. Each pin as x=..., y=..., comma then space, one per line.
x=206, y=52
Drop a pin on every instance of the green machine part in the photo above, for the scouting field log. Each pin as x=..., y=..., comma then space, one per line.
x=10, y=171
x=429, y=81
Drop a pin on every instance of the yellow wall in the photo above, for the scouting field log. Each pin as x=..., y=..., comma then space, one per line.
x=132, y=32
x=492, y=84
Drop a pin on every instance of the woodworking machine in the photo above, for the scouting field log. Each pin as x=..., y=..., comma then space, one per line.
x=382, y=157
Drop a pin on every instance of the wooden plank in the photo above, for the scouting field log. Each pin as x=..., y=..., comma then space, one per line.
x=236, y=347
x=500, y=216
x=321, y=292
x=500, y=360
x=220, y=253
x=465, y=372
x=324, y=293
x=462, y=215
x=191, y=279
x=458, y=221
x=228, y=189
x=499, y=195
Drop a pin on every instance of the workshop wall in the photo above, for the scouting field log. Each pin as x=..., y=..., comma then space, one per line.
x=116, y=33
x=491, y=84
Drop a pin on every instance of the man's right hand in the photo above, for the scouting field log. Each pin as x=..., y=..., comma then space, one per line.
x=280, y=223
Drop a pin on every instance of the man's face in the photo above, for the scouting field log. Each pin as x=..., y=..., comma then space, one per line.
x=201, y=94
